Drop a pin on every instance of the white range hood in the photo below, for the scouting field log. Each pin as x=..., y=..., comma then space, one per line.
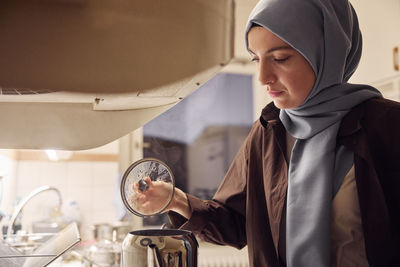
x=77, y=74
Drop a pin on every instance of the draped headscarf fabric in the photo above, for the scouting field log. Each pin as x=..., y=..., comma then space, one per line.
x=326, y=33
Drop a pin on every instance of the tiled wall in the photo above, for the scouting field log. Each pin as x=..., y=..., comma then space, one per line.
x=93, y=185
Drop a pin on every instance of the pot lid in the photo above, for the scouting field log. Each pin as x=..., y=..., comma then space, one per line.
x=147, y=187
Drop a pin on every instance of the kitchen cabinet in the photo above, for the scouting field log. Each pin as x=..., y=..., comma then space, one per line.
x=242, y=11
x=380, y=26
x=389, y=87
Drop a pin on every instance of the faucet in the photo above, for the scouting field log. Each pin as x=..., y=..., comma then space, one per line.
x=25, y=200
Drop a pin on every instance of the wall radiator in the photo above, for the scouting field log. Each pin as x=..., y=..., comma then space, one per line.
x=221, y=256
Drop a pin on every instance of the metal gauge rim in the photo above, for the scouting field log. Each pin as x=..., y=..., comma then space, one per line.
x=125, y=177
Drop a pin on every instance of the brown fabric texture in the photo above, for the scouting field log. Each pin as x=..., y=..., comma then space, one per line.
x=247, y=208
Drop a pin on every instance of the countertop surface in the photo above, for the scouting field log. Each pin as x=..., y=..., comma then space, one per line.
x=209, y=255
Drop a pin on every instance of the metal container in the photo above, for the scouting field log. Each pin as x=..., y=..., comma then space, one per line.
x=105, y=253
x=159, y=247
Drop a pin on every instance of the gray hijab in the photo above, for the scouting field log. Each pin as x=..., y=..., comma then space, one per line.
x=326, y=33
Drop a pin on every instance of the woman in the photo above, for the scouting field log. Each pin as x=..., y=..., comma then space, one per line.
x=315, y=182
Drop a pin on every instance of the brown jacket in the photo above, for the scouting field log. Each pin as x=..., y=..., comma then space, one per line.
x=247, y=208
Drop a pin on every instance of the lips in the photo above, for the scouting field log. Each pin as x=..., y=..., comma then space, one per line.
x=273, y=93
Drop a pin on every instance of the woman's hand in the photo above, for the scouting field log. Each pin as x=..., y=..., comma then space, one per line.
x=153, y=197
x=150, y=197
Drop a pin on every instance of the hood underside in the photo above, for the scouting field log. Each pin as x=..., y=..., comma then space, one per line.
x=77, y=74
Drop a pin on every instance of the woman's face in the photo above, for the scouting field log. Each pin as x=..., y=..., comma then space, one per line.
x=284, y=73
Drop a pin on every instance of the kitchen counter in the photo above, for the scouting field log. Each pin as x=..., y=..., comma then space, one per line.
x=209, y=256
x=216, y=256
x=67, y=264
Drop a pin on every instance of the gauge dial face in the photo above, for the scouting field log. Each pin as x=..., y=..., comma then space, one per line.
x=147, y=187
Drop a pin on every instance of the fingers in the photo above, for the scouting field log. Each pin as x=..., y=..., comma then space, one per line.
x=142, y=185
x=148, y=180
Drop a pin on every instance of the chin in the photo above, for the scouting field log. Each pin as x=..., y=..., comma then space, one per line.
x=282, y=105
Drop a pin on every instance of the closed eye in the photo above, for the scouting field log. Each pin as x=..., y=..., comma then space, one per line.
x=281, y=60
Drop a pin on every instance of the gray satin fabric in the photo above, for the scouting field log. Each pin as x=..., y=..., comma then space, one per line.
x=326, y=33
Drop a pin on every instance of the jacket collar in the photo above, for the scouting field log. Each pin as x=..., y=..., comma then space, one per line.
x=351, y=123
x=269, y=114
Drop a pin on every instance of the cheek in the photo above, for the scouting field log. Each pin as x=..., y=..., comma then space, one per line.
x=298, y=86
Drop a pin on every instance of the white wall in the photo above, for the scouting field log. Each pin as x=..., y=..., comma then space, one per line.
x=380, y=26
x=92, y=184
x=7, y=183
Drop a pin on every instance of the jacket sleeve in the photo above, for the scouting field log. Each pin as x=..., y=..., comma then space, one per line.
x=222, y=219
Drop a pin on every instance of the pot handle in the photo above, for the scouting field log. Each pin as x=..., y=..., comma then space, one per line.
x=153, y=256
x=191, y=245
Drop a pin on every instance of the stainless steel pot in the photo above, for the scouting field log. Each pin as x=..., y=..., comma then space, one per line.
x=105, y=253
x=159, y=247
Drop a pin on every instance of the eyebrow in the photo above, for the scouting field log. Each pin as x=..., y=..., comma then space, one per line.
x=283, y=47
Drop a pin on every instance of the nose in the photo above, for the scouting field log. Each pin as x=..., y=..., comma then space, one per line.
x=266, y=75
